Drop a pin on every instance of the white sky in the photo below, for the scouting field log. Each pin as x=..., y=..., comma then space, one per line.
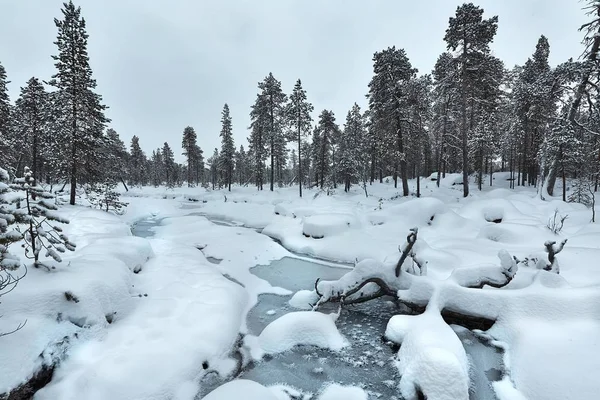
x=162, y=65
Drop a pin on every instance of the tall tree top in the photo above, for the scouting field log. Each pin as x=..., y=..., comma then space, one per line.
x=468, y=31
x=72, y=61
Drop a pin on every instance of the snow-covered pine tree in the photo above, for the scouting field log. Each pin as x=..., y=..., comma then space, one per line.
x=241, y=165
x=137, y=162
x=157, y=168
x=199, y=165
x=7, y=146
x=445, y=114
x=353, y=157
x=300, y=123
x=79, y=111
x=328, y=130
x=189, y=145
x=168, y=159
x=105, y=197
x=115, y=158
x=387, y=103
x=8, y=235
x=269, y=116
x=213, y=163
x=41, y=232
x=534, y=105
x=226, y=159
x=258, y=141
x=32, y=109
x=471, y=35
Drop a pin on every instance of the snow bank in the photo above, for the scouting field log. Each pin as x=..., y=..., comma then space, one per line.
x=322, y=225
x=304, y=299
x=241, y=389
x=431, y=357
x=89, y=290
x=310, y=328
x=338, y=392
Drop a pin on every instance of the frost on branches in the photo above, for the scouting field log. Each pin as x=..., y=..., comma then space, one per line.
x=105, y=197
x=39, y=231
x=8, y=235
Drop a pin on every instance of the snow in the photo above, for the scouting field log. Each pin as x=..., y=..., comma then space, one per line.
x=241, y=388
x=310, y=328
x=319, y=226
x=339, y=392
x=180, y=310
x=304, y=299
x=431, y=357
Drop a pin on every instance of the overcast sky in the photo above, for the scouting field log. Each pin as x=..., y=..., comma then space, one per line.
x=164, y=64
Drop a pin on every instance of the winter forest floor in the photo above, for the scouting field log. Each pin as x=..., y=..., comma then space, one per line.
x=160, y=296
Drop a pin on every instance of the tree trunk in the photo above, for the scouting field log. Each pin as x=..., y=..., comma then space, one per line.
x=300, y=176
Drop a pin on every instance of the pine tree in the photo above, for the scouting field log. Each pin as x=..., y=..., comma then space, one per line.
x=114, y=158
x=353, y=157
x=213, y=162
x=9, y=216
x=534, y=104
x=199, y=165
x=157, y=167
x=189, y=146
x=471, y=35
x=168, y=159
x=38, y=233
x=6, y=142
x=32, y=109
x=387, y=102
x=241, y=165
x=257, y=141
x=268, y=124
x=327, y=131
x=137, y=162
x=226, y=158
x=81, y=111
x=300, y=123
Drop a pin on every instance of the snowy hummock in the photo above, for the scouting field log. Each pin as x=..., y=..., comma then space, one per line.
x=242, y=389
x=339, y=392
x=297, y=328
x=431, y=357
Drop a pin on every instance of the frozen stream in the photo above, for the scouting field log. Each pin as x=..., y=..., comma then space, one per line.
x=367, y=363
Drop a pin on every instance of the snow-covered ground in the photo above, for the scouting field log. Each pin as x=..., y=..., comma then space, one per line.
x=156, y=333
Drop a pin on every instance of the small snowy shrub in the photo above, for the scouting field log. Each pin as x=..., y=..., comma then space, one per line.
x=105, y=197
x=556, y=222
x=37, y=214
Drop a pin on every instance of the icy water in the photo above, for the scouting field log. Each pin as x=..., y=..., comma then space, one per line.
x=367, y=363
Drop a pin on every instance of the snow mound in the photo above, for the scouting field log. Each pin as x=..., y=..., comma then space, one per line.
x=310, y=328
x=431, y=358
x=322, y=225
x=338, y=392
x=303, y=299
x=506, y=391
x=241, y=389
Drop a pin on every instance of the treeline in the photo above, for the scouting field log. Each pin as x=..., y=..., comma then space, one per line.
x=471, y=114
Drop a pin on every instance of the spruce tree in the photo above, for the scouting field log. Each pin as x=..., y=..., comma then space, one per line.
x=268, y=123
x=327, y=131
x=40, y=232
x=80, y=111
x=32, y=109
x=189, y=146
x=387, y=102
x=213, y=162
x=157, y=168
x=6, y=138
x=9, y=217
x=226, y=158
x=353, y=154
x=137, y=162
x=168, y=159
x=300, y=123
x=114, y=158
x=471, y=35
x=199, y=165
